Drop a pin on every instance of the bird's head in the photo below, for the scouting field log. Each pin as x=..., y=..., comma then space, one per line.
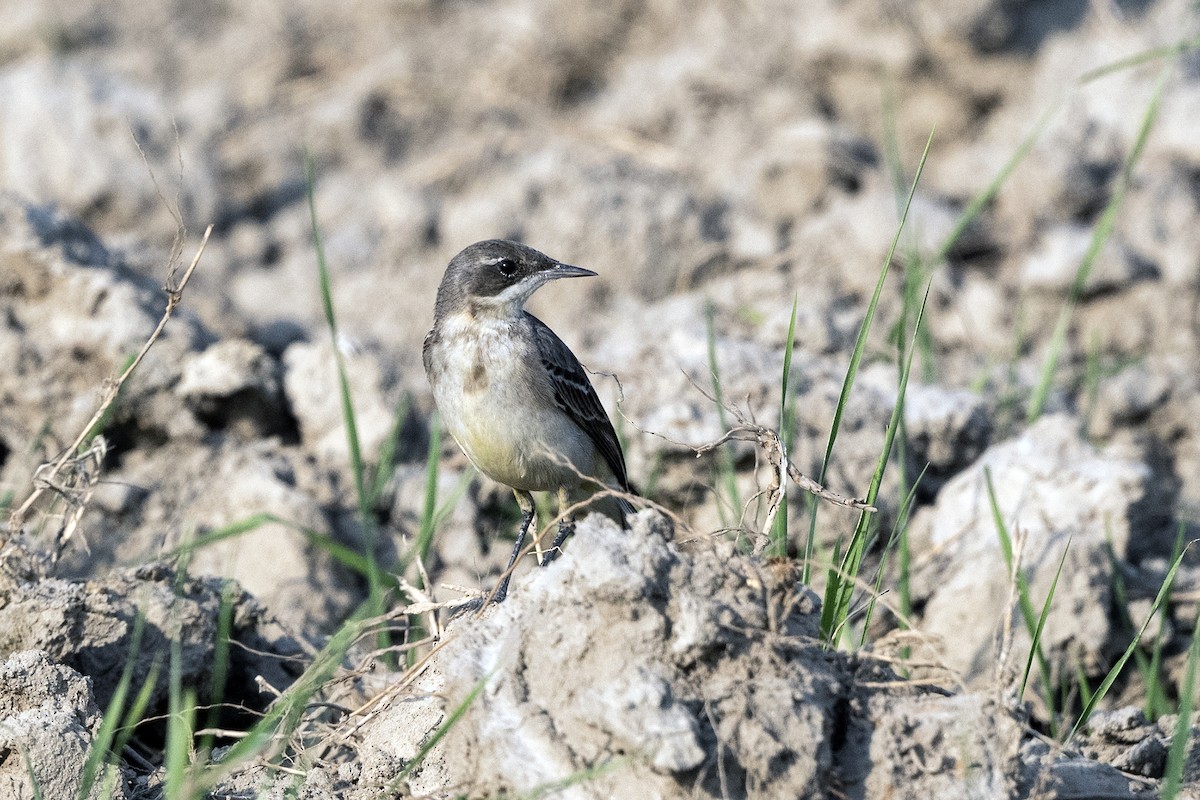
x=498, y=276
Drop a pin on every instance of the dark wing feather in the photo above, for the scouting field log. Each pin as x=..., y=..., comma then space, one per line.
x=575, y=396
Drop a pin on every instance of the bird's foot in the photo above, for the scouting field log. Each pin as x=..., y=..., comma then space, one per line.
x=565, y=529
x=526, y=520
x=501, y=591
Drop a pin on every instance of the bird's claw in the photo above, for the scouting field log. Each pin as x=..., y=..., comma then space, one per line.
x=565, y=529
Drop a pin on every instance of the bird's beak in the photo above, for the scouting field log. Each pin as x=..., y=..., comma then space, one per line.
x=567, y=271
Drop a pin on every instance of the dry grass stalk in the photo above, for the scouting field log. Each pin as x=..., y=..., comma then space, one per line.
x=72, y=476
x=1006, y=678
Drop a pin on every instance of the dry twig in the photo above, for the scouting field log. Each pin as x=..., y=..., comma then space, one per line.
x=73, y=474
x=773, y=449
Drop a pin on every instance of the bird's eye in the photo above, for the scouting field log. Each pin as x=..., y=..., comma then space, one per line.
x=507, y=267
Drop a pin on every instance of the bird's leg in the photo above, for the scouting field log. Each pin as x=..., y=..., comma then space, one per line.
x=566, y=526
x=525, y=501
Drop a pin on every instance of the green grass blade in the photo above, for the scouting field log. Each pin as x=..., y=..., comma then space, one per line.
x=839, y=587
x=137, y=709
x=429, y=518
x=180, y=703
x=1005, y=539
x=1058, y=341
x=1177, y=754
x=1010, y=403
x=1023, y=600
x=1123, y=604
x=915, y=270
x=220, y=661
x=1137, y=59
x=451, y=502
x=357, y=467
x=267, y=737
x=895, y=539
x=230, y=531
x=787, y=433
x=387, y=454
x=447, y=725
x=102, y=749
x=575, y=779
x=1115, y=672
x=1100, y=235
x=726, y=473
x=904, y=572
x=34, y=784
x=1090, y=391
x=1156, y=695
x=891, y=143
x=1081, y=680
x=346, y=556
x=1036, y=645
x=856, y=356
x=356, y=460
x=984, y=198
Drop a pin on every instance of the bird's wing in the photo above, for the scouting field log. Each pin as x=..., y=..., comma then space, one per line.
x=575, y=396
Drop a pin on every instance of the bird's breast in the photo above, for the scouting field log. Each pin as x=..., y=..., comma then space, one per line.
x=476, y=356
x=483, y=378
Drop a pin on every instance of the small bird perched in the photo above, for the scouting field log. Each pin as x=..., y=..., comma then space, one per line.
x=510, y=392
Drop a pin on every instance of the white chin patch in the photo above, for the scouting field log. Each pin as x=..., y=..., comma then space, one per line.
x=518, y=293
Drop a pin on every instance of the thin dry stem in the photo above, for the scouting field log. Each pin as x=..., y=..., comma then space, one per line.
x=769, y=442
x=62, y=474
x=365, y=711
x=1005, y=677
x=264, y=686
x=226, y=733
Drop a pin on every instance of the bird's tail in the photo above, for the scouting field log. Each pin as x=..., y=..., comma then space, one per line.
x=627, y=511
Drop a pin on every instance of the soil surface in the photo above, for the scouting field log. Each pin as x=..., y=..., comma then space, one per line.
x=713, y=163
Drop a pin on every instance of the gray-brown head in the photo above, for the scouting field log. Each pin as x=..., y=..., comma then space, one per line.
x=499, y=275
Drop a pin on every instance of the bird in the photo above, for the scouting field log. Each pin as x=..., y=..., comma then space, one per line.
x=510, y=391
